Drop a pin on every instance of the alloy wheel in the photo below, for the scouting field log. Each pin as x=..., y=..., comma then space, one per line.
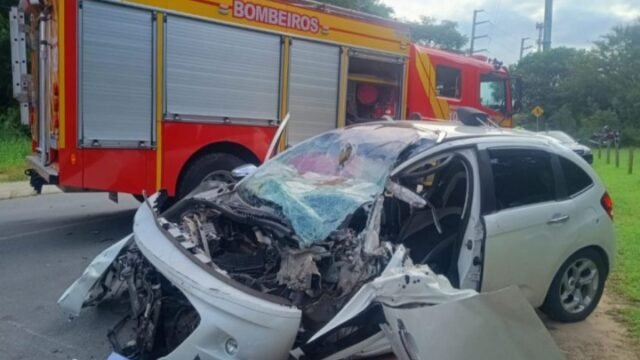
x=579, y=285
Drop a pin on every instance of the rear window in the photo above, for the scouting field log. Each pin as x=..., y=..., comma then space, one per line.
x=522, y=177
x=576, y=179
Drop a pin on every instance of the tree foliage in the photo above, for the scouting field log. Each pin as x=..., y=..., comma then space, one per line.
x=583, y=90
x=374, y=7
x=442, y=34
x=6, y=90
x=9, y=114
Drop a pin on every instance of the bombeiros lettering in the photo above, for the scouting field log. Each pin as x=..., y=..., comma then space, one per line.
x=272, y=16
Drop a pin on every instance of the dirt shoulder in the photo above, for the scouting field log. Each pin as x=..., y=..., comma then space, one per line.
x=601, y=336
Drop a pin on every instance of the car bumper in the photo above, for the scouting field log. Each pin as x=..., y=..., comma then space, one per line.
x=258, y=326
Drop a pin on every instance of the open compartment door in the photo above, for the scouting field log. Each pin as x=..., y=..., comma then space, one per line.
x=374, y=87
x=497, y=325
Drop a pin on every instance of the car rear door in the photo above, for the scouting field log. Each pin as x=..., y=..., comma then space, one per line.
x=527, y=218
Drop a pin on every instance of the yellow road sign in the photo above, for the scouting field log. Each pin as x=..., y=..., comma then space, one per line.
x=537, y=111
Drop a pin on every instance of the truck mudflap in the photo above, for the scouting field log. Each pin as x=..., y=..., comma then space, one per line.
x=39, y=174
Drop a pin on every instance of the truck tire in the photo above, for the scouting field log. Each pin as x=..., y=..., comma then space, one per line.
x=577, y=287
x=215, y=166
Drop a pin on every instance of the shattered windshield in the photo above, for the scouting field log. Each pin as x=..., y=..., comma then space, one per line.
x=317, y=184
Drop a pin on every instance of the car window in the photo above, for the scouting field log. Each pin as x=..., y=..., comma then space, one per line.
x=448, y=81
x=521, y=177
x=575, y=178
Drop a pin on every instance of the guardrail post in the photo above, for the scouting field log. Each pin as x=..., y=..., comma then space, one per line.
x=617, y=157
x=630, y=161
x=608, y=154
x=599, y=151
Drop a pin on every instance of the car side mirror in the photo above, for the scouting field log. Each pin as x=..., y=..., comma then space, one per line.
x=243, y=171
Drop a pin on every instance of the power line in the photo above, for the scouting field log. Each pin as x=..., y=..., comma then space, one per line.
x=472, y=49
x=548, y=20
x=499, y=37
x=522, y=47
x=540, y=28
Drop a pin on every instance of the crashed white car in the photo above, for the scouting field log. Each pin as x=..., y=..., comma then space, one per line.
x=366, y=240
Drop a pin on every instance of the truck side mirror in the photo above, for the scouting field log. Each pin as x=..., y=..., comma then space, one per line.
x=517, y=95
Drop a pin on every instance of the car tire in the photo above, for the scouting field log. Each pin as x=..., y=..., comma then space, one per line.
x=216, y=166
x=571, y=296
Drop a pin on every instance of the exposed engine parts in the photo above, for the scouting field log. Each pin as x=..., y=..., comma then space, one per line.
x=251, y=248
x=160, y=317
x=241, y=243
x=259, y=250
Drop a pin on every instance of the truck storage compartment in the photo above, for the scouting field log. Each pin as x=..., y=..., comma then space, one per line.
x=116, y=76
x=218, y=72
x=374, y=87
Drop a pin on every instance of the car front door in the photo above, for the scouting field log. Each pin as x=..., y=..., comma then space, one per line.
x=527, y=223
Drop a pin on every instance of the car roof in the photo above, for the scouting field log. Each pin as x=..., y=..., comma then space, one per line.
x=452, y=130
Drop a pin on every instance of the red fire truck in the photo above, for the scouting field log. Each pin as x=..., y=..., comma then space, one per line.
x=134, y=96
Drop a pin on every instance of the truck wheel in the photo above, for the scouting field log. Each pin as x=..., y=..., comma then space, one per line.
x=216, y=166
x=577, y=287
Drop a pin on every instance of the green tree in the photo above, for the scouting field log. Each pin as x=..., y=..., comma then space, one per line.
x=428, y=31
x=9, y=115
x=583, y=90
x=619, y=55
x=546, y=75
x=374, y=7
x=440, y=34
x=6, y=90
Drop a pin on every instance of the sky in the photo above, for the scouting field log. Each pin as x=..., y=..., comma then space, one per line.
x=576, y=23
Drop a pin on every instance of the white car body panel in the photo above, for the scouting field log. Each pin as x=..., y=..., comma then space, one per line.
x=470, y=273
x=76, y=295
x=398, y=285
x=523, y=249
x=225, y=311
x=496, y=325
x=515, y=237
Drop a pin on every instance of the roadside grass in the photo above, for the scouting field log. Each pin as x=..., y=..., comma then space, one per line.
x=625, y=191
x=13, y=150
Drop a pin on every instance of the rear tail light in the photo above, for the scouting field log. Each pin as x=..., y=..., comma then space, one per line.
x=607, y=204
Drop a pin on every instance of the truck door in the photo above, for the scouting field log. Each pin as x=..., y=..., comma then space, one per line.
x=313, y=88
x=116, y=95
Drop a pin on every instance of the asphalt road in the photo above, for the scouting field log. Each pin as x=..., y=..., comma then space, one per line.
x=45, y=244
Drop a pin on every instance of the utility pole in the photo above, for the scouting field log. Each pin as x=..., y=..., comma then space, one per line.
x=472, y=49
x=522, y=47
x=548, y=20
x=540, y=28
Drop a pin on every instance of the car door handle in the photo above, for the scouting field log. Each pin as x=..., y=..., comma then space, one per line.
x=558, y=219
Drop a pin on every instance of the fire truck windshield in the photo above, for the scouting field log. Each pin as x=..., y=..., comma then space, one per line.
x=493, y=92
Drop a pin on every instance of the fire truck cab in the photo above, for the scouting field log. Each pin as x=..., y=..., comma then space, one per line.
x=441, y=81
x=140, y=95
